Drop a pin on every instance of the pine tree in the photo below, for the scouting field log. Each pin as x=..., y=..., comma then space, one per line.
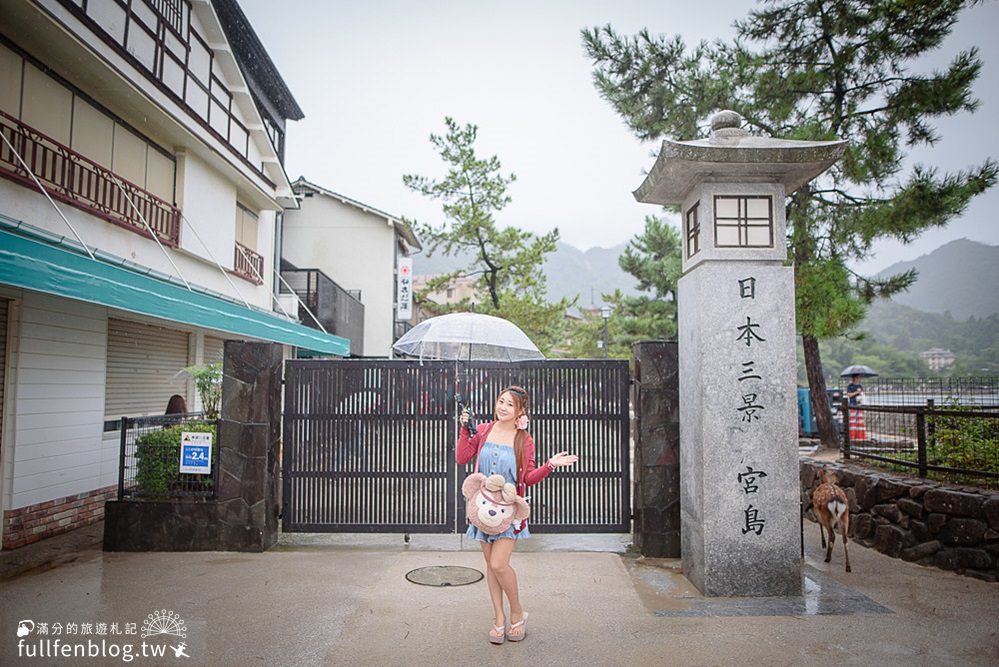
x=653, y=258
x=818, y=70
x=508, y=261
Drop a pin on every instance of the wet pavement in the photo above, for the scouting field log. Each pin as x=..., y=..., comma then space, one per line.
x=345, y=600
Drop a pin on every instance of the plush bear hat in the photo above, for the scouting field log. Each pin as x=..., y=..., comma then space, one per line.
x=492, y=504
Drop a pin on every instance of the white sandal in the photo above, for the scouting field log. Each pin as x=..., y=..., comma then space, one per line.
x=522, y=634
x=497, y=639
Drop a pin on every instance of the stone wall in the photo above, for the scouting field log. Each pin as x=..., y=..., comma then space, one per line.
x=657, y=449
x=930, y=523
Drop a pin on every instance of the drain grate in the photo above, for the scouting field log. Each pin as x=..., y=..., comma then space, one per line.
x=444, y=575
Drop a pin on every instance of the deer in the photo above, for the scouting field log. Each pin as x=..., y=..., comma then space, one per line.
x=832, y=509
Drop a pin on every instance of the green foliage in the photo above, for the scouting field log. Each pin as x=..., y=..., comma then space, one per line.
x=822, y=294
x=815, y=70
x=508, y=261
x=585, y=336
x=842, y=351
x=208, y=382
x=157, y=460
x=971, y=443
x=953, y=441
x=891, y=337
x=653, y=258
x=975, y=342
x=543, y=322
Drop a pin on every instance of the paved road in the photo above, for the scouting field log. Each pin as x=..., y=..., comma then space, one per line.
x=342, y=602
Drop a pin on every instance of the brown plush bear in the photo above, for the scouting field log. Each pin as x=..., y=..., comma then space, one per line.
x=492, y=504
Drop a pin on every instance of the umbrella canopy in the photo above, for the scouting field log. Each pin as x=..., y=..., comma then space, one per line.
x=467, y=336
x=858, y=369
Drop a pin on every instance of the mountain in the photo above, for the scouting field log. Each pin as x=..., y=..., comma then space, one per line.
x=588, y=274
x=906, y=330
x=959, y=277
x=570, y=271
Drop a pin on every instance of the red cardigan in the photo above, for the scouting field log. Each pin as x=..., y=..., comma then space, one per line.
x=468, y=447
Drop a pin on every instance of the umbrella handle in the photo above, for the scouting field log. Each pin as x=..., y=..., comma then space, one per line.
x=471, y=418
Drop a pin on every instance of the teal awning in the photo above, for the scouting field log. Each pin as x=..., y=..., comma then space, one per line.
x=45, y=267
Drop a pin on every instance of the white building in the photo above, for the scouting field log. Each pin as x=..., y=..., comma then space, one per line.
x=358, y=247
x=938, y=358
x=156, y=130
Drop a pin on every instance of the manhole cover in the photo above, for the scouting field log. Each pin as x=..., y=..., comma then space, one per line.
x=444, y=575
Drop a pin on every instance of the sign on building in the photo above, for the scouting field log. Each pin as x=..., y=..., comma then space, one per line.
x=404, y=289
x=196, y=453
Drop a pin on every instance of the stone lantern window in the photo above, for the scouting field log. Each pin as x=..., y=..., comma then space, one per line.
x=693, y=230
x=744, y=221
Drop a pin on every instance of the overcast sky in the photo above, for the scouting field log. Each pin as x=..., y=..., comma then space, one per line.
x=376, y=78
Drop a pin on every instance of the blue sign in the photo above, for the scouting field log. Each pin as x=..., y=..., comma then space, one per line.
x=196, y=453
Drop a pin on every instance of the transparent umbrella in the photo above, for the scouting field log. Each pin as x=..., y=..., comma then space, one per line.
x=467, y=336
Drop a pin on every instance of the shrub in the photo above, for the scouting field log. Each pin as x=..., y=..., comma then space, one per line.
x=208, y=382
x=157, y=462
x=968, y=442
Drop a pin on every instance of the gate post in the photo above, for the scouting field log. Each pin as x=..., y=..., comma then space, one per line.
x=657, y=449
x=250, y=446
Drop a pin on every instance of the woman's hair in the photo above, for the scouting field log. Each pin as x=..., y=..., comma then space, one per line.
x=521, y=401
x=176, y=405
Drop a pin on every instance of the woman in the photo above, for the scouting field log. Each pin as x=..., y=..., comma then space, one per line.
x=855, y=391
x=176, y=405
x=506, y=449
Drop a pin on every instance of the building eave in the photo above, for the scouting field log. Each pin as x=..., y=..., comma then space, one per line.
x=253, y=57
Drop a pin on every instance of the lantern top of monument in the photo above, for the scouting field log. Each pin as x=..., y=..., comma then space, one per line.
x=733, y=155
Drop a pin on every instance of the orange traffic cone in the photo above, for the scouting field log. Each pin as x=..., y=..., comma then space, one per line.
x=857, y=429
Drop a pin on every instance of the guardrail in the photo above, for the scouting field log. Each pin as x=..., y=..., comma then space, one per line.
x=248, y=264
x=79, y=181
x=962, y=441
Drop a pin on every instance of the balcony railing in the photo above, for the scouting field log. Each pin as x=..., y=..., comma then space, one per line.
x=81, y=182
x=340, y=313
x=248, y=264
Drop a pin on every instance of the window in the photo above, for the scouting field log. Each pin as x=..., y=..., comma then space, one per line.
x=46, y=105
x=744, y=221
x=172, y=13
x=246, y=227
x=11, y=70
x=693, y=228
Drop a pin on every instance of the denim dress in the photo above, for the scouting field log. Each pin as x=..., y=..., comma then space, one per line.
x=497, y=459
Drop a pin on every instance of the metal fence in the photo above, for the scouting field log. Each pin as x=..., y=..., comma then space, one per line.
x=339, y=310
x=977, y=391
x=954, y=443
x=150, y=458
x=369, y=446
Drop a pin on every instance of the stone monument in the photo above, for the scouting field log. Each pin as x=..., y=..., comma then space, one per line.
x=739, y=497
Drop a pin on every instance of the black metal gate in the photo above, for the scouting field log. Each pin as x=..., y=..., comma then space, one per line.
x=369, y=445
